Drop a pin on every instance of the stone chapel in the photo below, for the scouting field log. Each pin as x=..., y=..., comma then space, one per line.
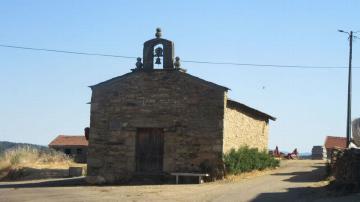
x=157, y=121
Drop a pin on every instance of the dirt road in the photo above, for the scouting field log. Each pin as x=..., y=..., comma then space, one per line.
x=294, y=181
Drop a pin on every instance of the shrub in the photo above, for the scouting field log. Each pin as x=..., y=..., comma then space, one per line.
x=17, y=162
x=246, y=159
x=31, y=155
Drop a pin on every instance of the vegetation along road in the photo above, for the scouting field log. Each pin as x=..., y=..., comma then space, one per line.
x=298, y=180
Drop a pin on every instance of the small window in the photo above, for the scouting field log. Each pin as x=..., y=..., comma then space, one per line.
x=79, y=151
x=67, y=151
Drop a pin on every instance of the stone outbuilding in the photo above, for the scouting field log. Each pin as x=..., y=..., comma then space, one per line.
x=157, y=121
x=334, y=142
x=73, y=146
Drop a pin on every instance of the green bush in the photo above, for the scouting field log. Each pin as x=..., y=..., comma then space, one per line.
x=246, y=159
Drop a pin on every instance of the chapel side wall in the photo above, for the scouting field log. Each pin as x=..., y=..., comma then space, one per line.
x=190, y=112
x=241, y=129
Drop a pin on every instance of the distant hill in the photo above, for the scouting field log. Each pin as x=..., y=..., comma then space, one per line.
x=4, y=145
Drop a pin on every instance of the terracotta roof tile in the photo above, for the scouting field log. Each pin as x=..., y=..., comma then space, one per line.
x=332, y=141
x=67, y=140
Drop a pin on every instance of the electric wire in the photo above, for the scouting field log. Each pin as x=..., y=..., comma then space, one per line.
x=185, y=61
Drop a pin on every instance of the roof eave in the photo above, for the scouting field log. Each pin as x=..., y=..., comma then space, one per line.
x=260, y=113
x=67, y=145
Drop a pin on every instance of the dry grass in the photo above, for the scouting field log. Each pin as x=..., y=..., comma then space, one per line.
x=32, y=158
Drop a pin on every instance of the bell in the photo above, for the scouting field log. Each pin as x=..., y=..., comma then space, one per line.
x=158, y=61
x=159, y=51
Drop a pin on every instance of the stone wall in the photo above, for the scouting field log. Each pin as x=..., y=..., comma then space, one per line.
x=242, y=129
x=345, y=167
x=190, y=111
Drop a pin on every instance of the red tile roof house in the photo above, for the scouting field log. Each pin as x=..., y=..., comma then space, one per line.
x=74, y=146
x=332, y=142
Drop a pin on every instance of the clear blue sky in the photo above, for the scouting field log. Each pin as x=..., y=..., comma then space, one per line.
x=45, y=94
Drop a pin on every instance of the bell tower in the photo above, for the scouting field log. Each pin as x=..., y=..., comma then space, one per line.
x=162, y=50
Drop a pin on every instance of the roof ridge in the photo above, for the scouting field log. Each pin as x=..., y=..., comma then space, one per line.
x=109, y=81
x=330, y=136
x=70, y=135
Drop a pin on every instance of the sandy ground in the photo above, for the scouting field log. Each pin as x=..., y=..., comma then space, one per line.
x=294, y=181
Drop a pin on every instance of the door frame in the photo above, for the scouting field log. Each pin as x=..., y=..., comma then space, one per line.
x=151, y=132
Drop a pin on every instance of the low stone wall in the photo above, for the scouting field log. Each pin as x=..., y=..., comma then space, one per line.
x=25, y=173
x=345, y=167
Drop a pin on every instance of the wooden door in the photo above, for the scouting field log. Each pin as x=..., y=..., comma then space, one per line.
x=149, y=150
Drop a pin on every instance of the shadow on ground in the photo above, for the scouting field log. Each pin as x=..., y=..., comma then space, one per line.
x=294, y=194
x=73, y=182
x=315, y=175
x=79, y=181
x=300, y=193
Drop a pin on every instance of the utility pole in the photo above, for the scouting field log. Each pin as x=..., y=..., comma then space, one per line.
x=348, y=126
x=348, y=121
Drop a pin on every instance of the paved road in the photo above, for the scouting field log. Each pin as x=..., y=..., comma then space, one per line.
x=294, y=181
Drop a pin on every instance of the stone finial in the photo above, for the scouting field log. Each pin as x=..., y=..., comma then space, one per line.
x=158, y=32
x=139, y=64
x=177, y=63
